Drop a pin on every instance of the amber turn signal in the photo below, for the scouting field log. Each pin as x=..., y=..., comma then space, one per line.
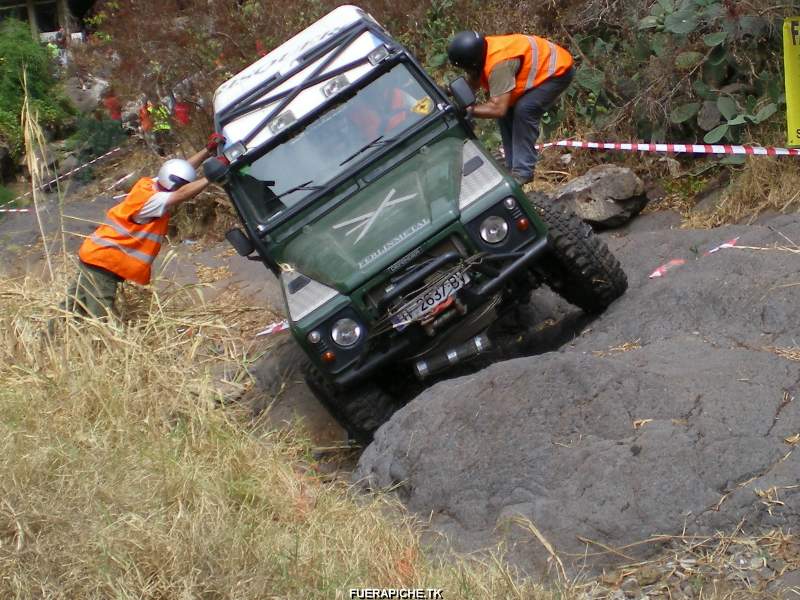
x=328, y=357
x=523, y=224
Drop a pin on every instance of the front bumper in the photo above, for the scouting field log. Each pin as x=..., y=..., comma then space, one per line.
x=520, y=260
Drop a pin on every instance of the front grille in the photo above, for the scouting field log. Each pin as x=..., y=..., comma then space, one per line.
x=374, y=296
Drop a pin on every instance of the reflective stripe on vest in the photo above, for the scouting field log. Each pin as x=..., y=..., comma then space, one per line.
x=539, y=60
x=534, y=62
x=142, y=235
x=123, y=246
x=553, y=55
x=100, y=241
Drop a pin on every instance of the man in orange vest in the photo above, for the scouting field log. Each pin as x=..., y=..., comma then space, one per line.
x=523, y=75
x=128, y=241
x=382, y=115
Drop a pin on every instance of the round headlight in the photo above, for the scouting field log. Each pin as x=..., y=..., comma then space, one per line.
x=494, y=229
x=314, y=337
x=346, y=332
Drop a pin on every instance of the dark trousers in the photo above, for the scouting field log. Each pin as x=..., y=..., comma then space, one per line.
x=92, y=292
x=519, y=128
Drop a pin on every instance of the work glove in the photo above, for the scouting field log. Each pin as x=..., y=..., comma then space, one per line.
x=214, y=140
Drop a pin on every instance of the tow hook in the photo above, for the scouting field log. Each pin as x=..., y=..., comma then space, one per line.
x=453, y=356
x=448, y=310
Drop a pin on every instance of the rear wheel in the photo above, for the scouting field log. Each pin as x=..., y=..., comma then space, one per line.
x=360, y=410
x=580, y=267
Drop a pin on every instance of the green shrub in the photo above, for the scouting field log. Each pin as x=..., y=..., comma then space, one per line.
x=18, y=52
x=681, y=70
x=6, y=195
x=94, y=137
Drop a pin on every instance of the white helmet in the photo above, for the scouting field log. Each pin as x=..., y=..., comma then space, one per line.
x=174, y=173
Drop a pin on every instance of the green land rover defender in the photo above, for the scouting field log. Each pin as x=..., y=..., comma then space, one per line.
x=395, y=236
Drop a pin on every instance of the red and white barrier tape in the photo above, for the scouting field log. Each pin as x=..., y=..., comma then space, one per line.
x=69, y=173
x=81, y=167
x=676, y=148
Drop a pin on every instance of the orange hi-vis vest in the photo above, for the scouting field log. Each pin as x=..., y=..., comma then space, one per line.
x=399, y=110
x=540, y=59
x=373, y=124
x=122, y=246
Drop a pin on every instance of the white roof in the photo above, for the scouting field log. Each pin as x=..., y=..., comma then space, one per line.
x=282, y=60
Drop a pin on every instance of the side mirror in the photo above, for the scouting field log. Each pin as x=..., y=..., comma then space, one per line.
x=215, y=169
x=240, y=242
x=463, y=96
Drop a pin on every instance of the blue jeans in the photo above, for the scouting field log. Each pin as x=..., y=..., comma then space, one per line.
x=519, y=128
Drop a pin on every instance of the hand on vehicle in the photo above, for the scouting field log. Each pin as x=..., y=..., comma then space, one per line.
x=214, y=140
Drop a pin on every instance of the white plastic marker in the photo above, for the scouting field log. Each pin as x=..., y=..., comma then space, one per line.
x=662, y=270
x=677, y=262
x=273, y=328
x=14, y=210
x=728, y=244
x=677, y=148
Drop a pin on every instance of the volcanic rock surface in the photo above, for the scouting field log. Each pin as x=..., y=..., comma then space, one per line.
x=674, y=411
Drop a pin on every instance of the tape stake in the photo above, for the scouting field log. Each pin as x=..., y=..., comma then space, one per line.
x=274, y=328
x=662, y=270
x=728, y=244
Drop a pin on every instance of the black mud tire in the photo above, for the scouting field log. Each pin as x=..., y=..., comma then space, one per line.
x=579, y=267
x=360, y=410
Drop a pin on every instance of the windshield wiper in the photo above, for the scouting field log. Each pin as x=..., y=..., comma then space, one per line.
x=303, y=186
x=378, y=141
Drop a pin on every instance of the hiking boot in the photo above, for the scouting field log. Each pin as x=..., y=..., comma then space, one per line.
x=522, y=181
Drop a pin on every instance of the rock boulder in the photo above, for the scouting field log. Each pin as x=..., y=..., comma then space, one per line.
x=605, y=196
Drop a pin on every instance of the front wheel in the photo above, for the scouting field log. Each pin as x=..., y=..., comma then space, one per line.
x=360, y=410
x=580, y=267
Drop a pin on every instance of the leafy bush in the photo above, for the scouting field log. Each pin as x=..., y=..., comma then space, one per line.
x=663, y=69
x=18, y=52
x=6, y=195
x=683, y=70
x=94, y=137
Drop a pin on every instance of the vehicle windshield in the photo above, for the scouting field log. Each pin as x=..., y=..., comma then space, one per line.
x=351, y=131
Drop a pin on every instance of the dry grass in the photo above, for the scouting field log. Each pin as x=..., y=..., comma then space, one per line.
x=624, y=347
x=122, y=475
x=765, y=184
x=789, y=353
x=731, y=566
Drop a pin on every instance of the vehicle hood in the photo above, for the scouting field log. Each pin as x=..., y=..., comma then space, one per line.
x=382, y=222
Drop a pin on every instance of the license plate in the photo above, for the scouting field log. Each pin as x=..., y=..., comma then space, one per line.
x=427, y=301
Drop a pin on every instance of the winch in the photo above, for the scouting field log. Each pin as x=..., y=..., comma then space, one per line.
x=470, y=349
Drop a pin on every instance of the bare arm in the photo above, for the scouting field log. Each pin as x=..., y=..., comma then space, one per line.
x=495, y=108
x=187, y=192
x=197, y=159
